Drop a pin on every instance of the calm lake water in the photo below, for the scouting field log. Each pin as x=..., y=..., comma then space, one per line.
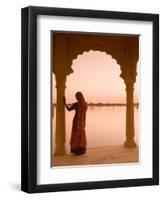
x=105, y=125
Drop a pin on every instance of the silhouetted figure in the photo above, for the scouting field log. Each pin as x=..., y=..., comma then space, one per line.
x=78, y=137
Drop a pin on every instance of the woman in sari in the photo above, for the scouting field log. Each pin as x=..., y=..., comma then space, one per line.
x=78, y=137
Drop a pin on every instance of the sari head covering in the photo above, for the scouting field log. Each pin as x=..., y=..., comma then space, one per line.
x=81, y=100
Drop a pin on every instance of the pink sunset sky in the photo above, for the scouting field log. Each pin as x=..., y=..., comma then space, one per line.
x=96, y=75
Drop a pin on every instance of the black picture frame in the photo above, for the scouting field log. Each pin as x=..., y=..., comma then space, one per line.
x=29, y=99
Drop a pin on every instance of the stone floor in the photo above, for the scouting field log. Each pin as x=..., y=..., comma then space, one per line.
x=99, y=155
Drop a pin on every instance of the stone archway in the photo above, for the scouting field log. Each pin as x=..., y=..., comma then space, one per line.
x=66, y=47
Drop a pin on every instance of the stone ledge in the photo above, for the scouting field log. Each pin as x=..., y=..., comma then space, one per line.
x=99, y=155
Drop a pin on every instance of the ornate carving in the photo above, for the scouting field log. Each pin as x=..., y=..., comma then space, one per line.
x=74, y=56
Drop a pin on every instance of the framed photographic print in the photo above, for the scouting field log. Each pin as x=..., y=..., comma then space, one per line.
x=90, y=99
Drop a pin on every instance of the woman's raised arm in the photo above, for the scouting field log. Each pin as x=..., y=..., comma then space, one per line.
x=72, y=107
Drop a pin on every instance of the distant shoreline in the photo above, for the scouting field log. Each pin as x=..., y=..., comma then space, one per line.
x=106, y=104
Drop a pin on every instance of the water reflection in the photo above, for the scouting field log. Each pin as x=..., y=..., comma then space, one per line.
x=105, y=125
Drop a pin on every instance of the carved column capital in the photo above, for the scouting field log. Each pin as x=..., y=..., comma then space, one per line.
x=129, y=85
x=60, y=81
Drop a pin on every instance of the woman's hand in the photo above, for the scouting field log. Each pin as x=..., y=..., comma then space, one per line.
x=64, y=100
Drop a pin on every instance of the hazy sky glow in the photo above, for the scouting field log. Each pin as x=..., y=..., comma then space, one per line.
x=96, y=75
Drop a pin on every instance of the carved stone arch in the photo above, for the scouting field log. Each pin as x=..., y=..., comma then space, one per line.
x=75, y=57
x=74, y=50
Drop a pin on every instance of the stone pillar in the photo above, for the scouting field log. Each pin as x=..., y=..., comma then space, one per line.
x=61, y=70
x=130, y=130
x=60, y=118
